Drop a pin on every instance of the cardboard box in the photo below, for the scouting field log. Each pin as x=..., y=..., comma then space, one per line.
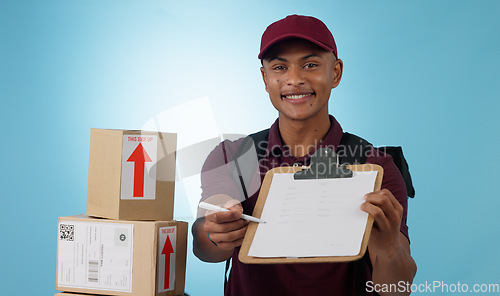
x=116, y=257
x=131, y=175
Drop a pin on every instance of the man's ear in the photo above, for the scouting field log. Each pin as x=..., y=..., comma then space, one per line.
x=264, y=77
x=338, y=67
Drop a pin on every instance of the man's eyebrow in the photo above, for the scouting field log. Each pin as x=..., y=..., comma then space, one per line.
x=278, y=58
x=309, y=56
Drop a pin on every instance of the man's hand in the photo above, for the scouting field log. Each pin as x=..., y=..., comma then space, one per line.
x=387, y=213
x=216, y=234
x=226, y=229
x=389, y=249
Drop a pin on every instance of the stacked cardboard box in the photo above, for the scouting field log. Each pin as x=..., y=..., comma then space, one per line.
x=127, y=243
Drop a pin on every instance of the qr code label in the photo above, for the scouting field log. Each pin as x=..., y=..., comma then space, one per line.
x=67, y=232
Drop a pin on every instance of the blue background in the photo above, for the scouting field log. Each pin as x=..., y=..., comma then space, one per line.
x=420, y=74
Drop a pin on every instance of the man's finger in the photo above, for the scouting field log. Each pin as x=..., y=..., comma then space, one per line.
x=230, y=245
x=381, y=220
x=213, y=227
x=229, y=236
x=386, y=193
x=223, y=217
x=384, y=200
x=233, y=205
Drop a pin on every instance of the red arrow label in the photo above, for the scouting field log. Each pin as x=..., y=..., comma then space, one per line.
x=167, y=250
x=139, y=157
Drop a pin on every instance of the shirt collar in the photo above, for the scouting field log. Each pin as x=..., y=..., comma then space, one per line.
x=275, y=142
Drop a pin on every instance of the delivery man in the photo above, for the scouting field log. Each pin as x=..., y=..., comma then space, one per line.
x=300, y=67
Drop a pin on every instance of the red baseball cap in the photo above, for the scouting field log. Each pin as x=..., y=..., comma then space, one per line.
x=298, y=26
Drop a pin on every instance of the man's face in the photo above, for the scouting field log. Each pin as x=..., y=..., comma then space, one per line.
x=299, y=77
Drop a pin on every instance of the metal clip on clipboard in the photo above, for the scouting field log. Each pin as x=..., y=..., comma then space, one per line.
x=324, y=165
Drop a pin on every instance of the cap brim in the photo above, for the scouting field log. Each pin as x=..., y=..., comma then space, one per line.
x=291, y=36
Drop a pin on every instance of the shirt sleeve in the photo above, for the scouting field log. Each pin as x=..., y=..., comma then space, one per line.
x=392, y=181
x=216, y=176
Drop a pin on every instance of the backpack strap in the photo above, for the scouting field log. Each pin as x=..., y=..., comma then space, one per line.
x=260, y=140
x=226, y=277
x=353, y=150
x=399, y=160
x=257, y=141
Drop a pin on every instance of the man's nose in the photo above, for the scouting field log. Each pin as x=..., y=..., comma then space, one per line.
x=295, y=76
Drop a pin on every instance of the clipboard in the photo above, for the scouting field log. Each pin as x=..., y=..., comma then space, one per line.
x=343, y=171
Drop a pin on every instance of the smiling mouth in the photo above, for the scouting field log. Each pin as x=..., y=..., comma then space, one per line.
x=297, y=96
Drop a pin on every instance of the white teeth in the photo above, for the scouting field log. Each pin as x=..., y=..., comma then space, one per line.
x=295, y=97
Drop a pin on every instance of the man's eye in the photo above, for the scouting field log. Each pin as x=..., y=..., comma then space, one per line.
x=310, y=65
x=278, y=68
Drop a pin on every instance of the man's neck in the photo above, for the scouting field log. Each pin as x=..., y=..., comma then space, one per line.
x=302, y=137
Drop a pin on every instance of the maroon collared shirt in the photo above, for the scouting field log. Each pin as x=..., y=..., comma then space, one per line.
x=292, y=279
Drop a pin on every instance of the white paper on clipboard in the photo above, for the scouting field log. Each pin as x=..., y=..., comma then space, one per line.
x=313, y=218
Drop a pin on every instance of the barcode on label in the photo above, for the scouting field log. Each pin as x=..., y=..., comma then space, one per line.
x=67, y=232
x=93, y=271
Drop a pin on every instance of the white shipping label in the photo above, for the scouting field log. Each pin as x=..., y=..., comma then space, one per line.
x=166, y=255
x=95, y=255
x=139, y=157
